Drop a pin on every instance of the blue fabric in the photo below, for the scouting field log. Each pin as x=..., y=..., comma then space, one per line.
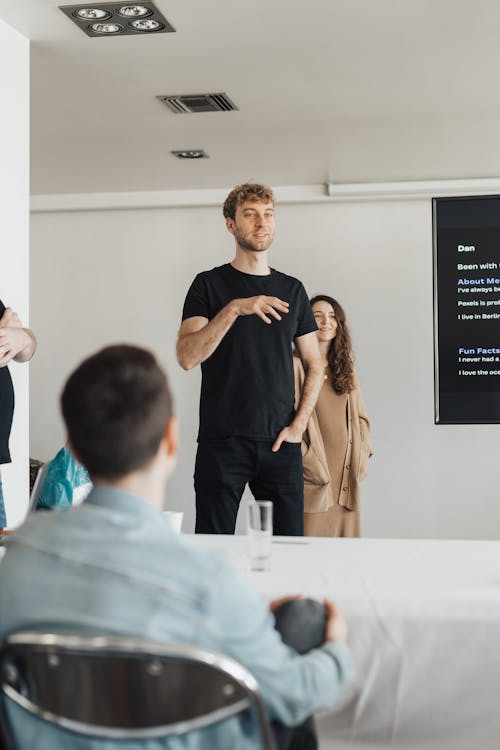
x=3, y=517
x=64, y=476
x=114, y=565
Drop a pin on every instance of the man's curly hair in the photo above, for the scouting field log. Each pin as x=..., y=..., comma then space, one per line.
x=250, y=191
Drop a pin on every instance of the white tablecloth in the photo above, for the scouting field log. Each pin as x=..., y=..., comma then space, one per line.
x=424, y=627
x=424, y=620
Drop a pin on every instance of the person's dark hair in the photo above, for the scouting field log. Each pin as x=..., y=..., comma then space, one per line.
x=339, y=355
x=250, y=191
x=116, y=406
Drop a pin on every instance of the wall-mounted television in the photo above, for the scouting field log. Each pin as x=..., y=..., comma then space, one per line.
x=466, y=241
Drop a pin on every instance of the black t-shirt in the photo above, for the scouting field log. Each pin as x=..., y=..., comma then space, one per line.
x=247, y=383
x=6, y=407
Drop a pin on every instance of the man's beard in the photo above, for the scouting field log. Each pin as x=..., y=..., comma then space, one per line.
x=248, y=244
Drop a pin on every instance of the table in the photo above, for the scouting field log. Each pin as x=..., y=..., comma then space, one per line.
x=424, y=627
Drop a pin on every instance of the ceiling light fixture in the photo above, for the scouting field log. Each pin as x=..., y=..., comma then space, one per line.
x=134, y=10
x=111, y=19
x=195, y=153
x=106, y=28
x=407, y=189
x=148, y=24
x=92, y=14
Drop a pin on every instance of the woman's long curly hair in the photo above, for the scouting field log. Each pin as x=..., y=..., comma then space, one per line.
x=339, y=355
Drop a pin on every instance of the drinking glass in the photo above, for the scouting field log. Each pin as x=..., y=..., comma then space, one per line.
x=259, y=533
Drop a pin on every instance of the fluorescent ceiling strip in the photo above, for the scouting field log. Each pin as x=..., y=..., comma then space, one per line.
x=412, y=189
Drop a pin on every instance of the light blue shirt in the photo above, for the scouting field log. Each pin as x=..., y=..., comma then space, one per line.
x=114, y=566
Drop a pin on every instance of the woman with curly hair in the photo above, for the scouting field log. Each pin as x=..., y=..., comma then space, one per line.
x=336, y=444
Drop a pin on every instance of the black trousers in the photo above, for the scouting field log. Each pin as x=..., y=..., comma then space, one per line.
x=224, y=467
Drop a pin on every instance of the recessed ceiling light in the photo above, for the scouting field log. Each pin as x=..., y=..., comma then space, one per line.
x=196, y=153
x=106, y=28
x=114, y=19
x=148, y=24
x=134, y=10
x=92, y=14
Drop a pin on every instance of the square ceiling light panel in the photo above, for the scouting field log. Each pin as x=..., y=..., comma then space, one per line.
x=118, y=19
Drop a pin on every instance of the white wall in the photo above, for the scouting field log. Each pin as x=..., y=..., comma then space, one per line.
x=14, y=238
x=100, y=277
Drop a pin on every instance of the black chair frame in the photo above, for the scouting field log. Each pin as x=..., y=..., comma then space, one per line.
x=125, y=688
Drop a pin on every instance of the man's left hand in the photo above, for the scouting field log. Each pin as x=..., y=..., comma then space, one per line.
x=290, y=434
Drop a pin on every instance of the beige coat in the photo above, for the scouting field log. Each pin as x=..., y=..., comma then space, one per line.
x=318, y=493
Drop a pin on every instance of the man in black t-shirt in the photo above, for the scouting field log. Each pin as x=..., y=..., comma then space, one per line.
x=19, y=344
x=239, y=322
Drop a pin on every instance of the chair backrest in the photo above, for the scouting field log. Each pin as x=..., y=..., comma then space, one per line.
x=126, y=688
x=34, y=495
x=37, y=488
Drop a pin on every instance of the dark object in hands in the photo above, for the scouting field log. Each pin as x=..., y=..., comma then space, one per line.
x=301, y=624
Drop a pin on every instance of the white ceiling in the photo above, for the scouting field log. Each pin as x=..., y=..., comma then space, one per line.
x=328, y=90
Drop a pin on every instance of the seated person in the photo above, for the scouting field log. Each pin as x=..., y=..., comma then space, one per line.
x=113, y=565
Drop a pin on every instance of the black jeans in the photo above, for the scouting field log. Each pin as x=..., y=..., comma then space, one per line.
x=224, y=467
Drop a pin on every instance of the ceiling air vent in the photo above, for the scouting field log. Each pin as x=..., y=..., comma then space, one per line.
x=198, y=103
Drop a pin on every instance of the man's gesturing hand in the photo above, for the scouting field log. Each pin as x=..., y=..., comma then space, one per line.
x=262, y=306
